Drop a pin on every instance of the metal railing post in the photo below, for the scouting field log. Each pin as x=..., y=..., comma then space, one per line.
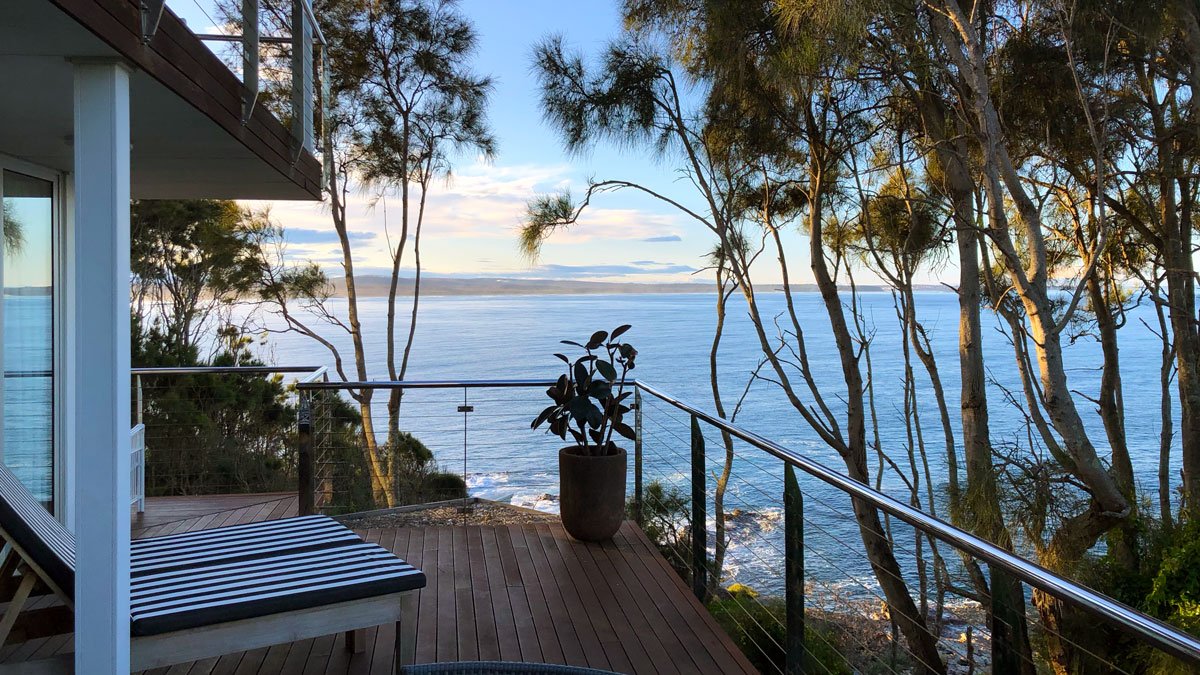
x=793, y=552
x=1006, y=623
x=304, y=454
x=637, y=458
x=466, y=408
x=699, y=515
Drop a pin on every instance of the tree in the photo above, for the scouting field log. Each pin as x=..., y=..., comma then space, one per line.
x=633, y=98
x=192, y=261
x=403, y=104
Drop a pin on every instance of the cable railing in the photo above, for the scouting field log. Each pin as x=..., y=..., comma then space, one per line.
x=216, y=429
x=774, y=545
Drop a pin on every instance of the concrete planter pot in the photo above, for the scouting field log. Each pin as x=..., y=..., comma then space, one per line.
x=591, y=493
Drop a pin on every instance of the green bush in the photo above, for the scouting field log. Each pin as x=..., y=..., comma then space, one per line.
x=441, y=486
x=758, y=627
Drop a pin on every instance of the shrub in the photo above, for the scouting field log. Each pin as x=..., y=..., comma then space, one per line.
x=759, y=628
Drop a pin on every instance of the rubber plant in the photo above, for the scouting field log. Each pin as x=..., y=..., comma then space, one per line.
x=590, y=398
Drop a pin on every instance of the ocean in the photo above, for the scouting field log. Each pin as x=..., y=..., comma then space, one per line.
x=514, y=337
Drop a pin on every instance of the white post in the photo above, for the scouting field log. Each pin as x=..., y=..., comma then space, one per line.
x=100, y=381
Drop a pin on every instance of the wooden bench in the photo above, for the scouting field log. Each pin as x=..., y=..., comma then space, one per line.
x=206, y=593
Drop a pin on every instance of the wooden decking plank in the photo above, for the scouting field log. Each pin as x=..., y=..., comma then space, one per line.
x=655, y=640
x=297, y=657
x=644, y=605
x=553, y=649
x=487, y=641
x=285, y=508
x=507, y=641
x=381, y=643
x=464, y=602
x=251, y=661
x=413, y=552
x=272, y=664
x=635, y=547
x=425, y=650
x=611, y=637
x=318, y=657
x=527, y=637
x=562, y=621
x=447, y=621
x=586, y=628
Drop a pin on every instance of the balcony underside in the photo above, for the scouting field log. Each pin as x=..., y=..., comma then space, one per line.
x=514, y=593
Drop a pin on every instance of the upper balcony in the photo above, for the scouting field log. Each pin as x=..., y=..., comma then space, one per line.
x=196, y=128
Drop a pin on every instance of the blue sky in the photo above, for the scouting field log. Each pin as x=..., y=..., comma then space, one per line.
x=472, y=221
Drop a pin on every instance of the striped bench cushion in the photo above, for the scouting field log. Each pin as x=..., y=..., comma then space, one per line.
x=215, y=576
x=237, y=543
x=188, y=598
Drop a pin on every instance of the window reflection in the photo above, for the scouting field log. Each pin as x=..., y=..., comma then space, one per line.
x=28, y=331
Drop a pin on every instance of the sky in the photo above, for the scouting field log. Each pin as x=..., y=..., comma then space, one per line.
x=472, y=221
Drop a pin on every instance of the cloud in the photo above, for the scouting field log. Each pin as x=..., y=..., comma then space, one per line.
x=471, y=223
x=306, y=237
x=552, y=271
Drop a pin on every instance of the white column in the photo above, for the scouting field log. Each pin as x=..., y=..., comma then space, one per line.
x=100, y=380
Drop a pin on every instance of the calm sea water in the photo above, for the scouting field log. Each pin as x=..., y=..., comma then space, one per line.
x=514, y=338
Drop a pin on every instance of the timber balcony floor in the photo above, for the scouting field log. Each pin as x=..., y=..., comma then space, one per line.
x=513, y=593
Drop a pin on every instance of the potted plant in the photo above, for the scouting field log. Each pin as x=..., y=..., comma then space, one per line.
x=589, y=405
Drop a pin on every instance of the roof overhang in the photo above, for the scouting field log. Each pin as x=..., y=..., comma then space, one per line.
x=188, y=139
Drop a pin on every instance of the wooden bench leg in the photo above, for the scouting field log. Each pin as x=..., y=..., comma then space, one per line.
x=356, y=641
x=28, y=579
x=397, y=665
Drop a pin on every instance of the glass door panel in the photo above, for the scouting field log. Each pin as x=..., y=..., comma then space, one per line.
x=28, y=331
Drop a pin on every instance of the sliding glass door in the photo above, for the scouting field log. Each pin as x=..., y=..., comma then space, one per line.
x=30, y=209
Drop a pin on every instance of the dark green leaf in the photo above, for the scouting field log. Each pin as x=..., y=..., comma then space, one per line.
x=624, y=430
x=597, y=339
x=545, y=415
x=619, y=331
x=606, y=370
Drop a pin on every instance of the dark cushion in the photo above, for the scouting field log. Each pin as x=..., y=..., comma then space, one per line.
x=237, y=543
x=214, y=594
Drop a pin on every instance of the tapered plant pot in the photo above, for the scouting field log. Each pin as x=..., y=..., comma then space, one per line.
x=591, y=493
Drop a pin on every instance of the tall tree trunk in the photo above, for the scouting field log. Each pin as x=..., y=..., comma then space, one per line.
x=379, y=480
x=1122, y=541
x=721, y=543
x=922, y=644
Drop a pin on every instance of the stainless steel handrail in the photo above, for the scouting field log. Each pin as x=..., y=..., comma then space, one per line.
x=1155, y=632
x=226, y=370
x=1151, y=630
x=427, y=384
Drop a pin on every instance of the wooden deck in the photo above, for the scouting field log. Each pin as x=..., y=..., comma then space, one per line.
x=515, y=593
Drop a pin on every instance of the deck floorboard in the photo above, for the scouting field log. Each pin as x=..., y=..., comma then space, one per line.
x=510, y=592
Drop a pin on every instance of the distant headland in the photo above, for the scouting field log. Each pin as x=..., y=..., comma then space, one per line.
x=371, y=286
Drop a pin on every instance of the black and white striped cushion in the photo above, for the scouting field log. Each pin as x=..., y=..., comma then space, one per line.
x=237, y=543
x=169, y=601
x=31, y=527
x=225, y=574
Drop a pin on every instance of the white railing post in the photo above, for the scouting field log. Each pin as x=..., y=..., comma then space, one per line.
x=137, y=466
